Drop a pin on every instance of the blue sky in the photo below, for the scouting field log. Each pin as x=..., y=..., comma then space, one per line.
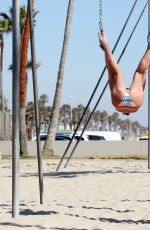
x=85, y=60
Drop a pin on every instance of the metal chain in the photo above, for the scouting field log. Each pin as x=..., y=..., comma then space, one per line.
x=100, y=15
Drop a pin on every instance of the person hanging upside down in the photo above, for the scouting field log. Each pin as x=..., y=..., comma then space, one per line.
x=125, y=100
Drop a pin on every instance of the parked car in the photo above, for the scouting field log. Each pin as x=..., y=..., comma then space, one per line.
x=61, y=138
x=58, y=137
x=89, y=137
x=64, y=136
x=142, y=138
x=43, y=137
x=99, y=135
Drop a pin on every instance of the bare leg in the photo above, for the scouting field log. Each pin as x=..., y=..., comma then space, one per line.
x=116, y=79
x=139, y=79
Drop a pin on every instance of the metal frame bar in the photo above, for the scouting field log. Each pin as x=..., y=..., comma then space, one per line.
x=15, y=109
x=35, y=91
x=149, y=93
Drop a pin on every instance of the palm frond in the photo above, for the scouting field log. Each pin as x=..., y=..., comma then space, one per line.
x=29, y=65
x=5, y=26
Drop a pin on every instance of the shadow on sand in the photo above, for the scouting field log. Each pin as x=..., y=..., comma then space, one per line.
x=73, y=174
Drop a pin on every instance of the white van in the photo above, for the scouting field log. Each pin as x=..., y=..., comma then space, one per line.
x=99, y=135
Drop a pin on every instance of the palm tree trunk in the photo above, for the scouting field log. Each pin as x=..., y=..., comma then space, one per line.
x=23, y=82
x=23, y=145
x=1, y=74
x=49, y=143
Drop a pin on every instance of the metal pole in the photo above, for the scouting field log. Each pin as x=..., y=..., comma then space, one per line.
x=148, y=93
x=15, y=109
x=34, y=75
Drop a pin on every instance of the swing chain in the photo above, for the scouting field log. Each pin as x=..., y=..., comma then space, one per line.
x=100, y=15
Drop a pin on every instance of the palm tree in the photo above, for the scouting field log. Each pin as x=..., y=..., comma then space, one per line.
x=30, y=119
x=43, y=100
x=74, y=118
x=30, y=112
x=65, y=115
x=97, y=119
x=110, y=121
x=87, y=114
x=49, y=143
x=104, y=116
x=5, y=28
x=23, y=145
x=25, y=37
x=80, y=110
x=115, y=117
x=135, y=128
x=42, y=109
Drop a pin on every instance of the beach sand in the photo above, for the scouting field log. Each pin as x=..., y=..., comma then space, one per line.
x=89, y=194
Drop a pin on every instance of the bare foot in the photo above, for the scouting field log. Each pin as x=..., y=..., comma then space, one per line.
x=103, y=40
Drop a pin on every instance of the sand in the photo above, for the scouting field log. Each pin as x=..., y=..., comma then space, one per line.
x=89, y=194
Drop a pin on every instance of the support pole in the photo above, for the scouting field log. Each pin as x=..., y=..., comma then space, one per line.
x=34, y=75
x=149, y=93
x=15, y=110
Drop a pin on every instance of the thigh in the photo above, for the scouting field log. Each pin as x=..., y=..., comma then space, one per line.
x=137, y=88
x=118, y=89
x=116, y=78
